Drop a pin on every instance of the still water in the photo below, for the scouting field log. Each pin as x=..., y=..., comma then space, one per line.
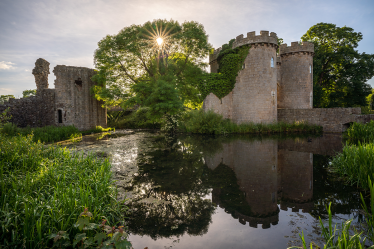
x=226, y=192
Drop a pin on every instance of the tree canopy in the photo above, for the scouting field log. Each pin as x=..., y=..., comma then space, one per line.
x=340, y=72
x=157, y=65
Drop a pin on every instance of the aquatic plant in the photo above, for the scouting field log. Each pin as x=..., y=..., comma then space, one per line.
x=356, y=163
x=361, y=132
x=44, y=188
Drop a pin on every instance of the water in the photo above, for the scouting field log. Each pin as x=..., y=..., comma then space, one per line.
x=226, y=192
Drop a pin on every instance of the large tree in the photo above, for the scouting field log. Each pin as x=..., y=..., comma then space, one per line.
x=157, y=64
x=340, y=72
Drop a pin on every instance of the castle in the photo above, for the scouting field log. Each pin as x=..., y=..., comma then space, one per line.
x=70, y=103
x=275, y=86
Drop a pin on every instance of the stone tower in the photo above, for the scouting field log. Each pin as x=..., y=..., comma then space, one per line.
x=41, y=71
x=75, y=105
x=295, y=89
x=254, y=97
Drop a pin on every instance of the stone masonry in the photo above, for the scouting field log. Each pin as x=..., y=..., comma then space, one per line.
x=70, y=103
x=277, y=87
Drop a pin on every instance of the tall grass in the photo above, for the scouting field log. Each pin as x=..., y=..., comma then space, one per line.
x=361, y=132
x=44, y=134
x=356, y=162
x=208, y=122
x=43, y=189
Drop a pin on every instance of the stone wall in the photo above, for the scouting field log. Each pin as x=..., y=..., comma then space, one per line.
x=34, y=111
x=331, y=119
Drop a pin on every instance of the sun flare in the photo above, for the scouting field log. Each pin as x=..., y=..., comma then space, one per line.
x=159, y=41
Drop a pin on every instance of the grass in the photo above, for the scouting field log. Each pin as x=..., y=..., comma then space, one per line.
x=208, y=122
x=50, y=133
x=361, y=132
x=45, y=188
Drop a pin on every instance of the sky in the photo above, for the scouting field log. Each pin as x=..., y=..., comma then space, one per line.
x=66, y=32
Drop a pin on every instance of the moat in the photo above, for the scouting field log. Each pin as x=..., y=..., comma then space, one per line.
x=238, y=191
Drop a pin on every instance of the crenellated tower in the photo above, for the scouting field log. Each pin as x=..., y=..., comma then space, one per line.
x=254, y=97
x=295, y=88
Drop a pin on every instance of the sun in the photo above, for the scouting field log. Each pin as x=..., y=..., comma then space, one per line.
x=159, y=41
x=158, y=36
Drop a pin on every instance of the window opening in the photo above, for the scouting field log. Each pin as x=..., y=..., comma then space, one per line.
x=310, y=69
x=272, y=62
x=78, y=82
x=59, y=116
x=243, y=66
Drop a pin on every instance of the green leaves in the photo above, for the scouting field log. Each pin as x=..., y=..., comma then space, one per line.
x=230, y=63
x=340, y=72
x=134, y=69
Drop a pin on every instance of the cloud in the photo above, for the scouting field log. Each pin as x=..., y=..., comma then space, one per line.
x=6, y=65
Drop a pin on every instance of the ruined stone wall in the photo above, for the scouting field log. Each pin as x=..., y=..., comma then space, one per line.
x=331, y=119
x=220, y=106
x=74, y=100
x=34, y=111
x=295, y=90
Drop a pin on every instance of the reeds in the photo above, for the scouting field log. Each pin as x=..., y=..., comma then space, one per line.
x=356, y=163
x=361, y=132
x=208, y=122
x=44, y=188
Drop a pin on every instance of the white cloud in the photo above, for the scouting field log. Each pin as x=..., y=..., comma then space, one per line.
x=6, y=65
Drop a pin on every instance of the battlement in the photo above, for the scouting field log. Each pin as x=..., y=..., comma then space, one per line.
x=252, y=38
x=295, y=47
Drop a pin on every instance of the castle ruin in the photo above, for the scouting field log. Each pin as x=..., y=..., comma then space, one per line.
x=277, y=87
x=70, y=103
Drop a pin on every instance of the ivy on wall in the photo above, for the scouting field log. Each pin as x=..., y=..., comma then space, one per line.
x=230, y=62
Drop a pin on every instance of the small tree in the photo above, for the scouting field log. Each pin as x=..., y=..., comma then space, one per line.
x=4, y=98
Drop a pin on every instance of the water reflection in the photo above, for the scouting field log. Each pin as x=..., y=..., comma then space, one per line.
x=209, y=187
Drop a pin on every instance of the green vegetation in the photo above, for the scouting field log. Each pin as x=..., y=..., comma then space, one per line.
x=361, y=132
x=356, y=162
x=340, y=72
x=230, y=62
x=199, y=121
x=4, y=98
x=44, y=134
x=344, y=236
x=138, y=119
x=136, y=67
x=29, y=93
x=49, y=134
x=44, y=188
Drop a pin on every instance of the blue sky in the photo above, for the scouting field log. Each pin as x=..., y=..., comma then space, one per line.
x=66, y=32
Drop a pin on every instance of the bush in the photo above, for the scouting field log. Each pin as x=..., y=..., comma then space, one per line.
x=136, y=120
